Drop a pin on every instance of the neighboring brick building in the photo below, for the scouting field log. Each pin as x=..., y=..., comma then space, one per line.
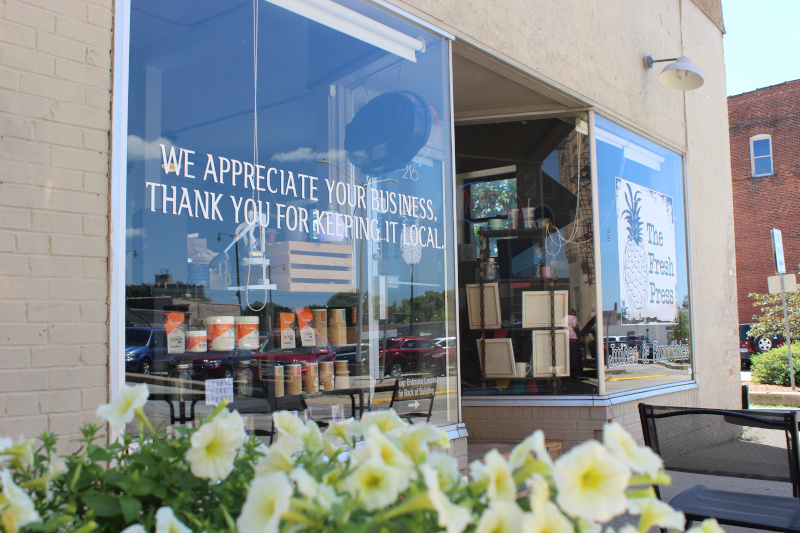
x=764, y=125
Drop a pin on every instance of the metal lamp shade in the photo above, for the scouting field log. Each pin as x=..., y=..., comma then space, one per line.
x=682, y=75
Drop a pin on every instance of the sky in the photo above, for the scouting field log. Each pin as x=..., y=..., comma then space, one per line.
x=760, y=43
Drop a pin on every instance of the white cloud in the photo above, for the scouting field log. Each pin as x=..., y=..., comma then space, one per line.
x=139, y=149
x=305, y=153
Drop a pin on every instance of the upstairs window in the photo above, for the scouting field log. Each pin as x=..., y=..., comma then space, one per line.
x=761, y=155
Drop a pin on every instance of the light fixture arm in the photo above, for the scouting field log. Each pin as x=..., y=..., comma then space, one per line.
x=648, y=61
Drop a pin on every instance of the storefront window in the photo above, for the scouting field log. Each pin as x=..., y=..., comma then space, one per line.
x=289, y=223
x=526, y=258
x=643, y=256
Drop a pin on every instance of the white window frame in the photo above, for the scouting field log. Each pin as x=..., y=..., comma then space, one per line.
x=753, y=157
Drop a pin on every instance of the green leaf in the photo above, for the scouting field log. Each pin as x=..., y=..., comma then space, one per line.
x=99, y=454
x=131, y=507
x=103, y=504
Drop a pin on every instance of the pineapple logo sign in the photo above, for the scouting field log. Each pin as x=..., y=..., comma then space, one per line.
x=646, y=243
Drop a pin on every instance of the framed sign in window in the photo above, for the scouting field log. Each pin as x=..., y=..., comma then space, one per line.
x=499, y=358
x=536, y=308
x=543, y=354
x=491, y=305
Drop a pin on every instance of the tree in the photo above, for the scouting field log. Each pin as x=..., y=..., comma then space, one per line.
x=680, y=332
x=770, y=321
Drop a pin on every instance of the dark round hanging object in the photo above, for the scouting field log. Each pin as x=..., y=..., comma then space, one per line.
x=387, y=132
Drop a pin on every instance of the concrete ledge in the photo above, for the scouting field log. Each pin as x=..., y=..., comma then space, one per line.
x=789, y=399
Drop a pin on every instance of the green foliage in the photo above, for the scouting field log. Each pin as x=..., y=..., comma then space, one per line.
x=772, y=367
x=770, y=322
x=109, y=487
x=428, y=307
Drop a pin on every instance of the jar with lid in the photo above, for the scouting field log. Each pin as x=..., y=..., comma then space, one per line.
x=490, y=271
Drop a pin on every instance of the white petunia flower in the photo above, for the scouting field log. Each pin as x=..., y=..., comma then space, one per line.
x=416, y=440
x=287, y=423
x=378, y=446
x=309, y=487
x=135, y=528
x=496, y=476
x=280, y=456
x=123, y=409
x=214, y=447
x=532, y=444
x=16, y=507
x=709, y=525
x=344, y=430
x=385, y=420
x=501, y=517
x=376, y=484
x=267, y=499
x=592, y=482
x=451, y=516
x=446, y=467
x=654, y=512
x=547, y=519
x=540, y=491
x=23, y=449
x=167, y=522
x=640, y=459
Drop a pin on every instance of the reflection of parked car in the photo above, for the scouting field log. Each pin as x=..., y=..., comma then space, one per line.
x=145, y=350
x=413, y=354
x=445, y=342
x=347, y=352
x=749, y=345
x=201, y=366
x=613, y=342
x=270, y=353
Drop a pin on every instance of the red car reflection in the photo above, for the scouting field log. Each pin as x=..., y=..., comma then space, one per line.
x=270, y=353
x=413, y=354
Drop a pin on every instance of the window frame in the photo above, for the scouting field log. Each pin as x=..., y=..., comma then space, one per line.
x=753, y=157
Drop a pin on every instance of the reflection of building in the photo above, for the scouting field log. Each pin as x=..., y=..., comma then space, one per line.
x=764, y=133
x=560, y=95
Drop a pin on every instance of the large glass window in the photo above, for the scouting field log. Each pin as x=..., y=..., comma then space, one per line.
x=526, y=258
x=642, y=234
x=289, y=195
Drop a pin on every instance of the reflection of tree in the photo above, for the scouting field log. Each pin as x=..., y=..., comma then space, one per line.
x=680, y=332
x=492, y=198
x=265, y=309
x=345, y=300
x=429, y=307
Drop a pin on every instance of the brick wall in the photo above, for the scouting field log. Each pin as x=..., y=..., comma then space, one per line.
x=55, y=99
x=761, y=204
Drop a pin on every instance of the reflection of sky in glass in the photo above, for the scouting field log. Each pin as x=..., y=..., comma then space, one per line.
x=633, y=158
x=192, y=88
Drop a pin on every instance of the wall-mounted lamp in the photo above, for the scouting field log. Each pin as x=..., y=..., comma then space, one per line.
x=135, y=254
x=682, y=75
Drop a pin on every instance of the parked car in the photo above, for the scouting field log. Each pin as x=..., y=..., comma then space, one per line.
x=270, y=354
x=749, y=345
x=609, y=343
x=146, y=350
x=413, y=354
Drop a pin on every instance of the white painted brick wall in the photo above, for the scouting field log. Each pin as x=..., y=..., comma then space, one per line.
x=55, y=101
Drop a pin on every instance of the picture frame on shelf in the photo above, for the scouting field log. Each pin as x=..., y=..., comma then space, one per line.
x=542, y=354
x=499, y=358
x=491, y=305
x=536, y=308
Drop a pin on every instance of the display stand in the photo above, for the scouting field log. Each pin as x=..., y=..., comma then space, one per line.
x=549, y=283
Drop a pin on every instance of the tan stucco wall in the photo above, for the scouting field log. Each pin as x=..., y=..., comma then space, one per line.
x=55, y=101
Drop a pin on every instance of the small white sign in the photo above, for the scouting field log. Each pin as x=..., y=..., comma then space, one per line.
x=219, y=389
x=789, y=283
x=777, y=246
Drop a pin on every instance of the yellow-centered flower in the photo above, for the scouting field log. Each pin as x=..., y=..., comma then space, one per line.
x=640, y=459
x=450, y=516
x=123, y=409
x=376, y=484
x=16, y=507
x=501, y=517
x=591, y=483
x=267, y=499
x=547, y=519
x=167, y=522
x=214, y=447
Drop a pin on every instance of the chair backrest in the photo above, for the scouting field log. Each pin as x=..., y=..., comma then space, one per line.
x=413, y=392
x=752, y=444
